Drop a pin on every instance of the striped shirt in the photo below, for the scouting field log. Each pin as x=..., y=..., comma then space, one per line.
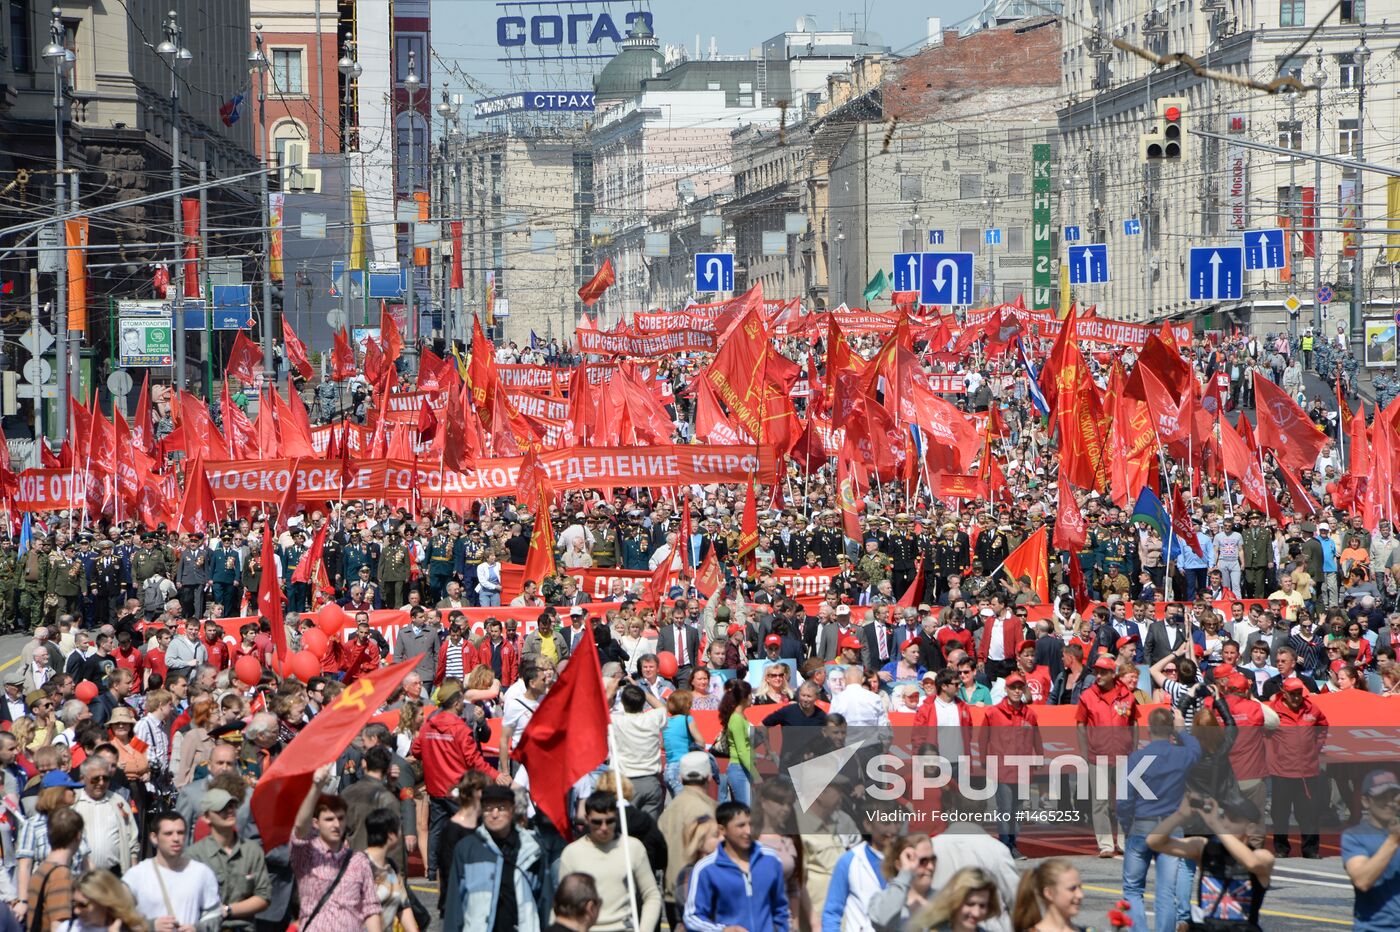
x=33, y=840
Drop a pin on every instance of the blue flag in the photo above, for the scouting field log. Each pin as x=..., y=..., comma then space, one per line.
x=1036, y=395
x=26, y=534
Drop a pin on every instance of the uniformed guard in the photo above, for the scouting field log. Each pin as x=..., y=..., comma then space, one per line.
x=225, y=573
x=393, y=571
x=106, y=583
x=904, y=554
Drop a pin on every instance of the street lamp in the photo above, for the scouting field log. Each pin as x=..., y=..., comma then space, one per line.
x=258, y=65
x=447, y=108
x=410, y=84
x=1359, y=57
x=1319, y=77
x=350, y=70
x=990, y=203
x=60, y=59
x=177, y=57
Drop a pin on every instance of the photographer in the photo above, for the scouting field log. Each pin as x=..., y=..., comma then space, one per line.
x=1234, y=873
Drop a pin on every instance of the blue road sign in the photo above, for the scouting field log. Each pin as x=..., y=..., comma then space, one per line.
x=390, y=284
x=992, y=237
x=935, y=237
x=1217, y=273
x=1071, y=234
x=1263, y=249
x=714, y=271
x=946, y=278
x=1088, y=264
x=906, y=271
x=1132, y=227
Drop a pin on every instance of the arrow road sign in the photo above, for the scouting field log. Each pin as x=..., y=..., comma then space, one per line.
x=906, y=271
x=1217, y=273
x=935, y=237
x=1071, y=234
x=946, y=278
x=714, y=271
x=1132, y=227
x=1263, y=249
x=992, y=237
x=1088, y=264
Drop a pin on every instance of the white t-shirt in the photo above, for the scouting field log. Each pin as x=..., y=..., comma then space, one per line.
x=638, y=742
x=519, y=710
x=193, y=891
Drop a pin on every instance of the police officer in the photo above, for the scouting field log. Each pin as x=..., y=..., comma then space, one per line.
x=106, y=583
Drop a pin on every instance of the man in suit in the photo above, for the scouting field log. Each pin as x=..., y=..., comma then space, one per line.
x=682, y=640
x=1266, y=633
x=578, y=624
x=13, y=707
x=1163, y=637
x=908, y=626
x=1389, y=636
x=833, y=624
x=878, y=642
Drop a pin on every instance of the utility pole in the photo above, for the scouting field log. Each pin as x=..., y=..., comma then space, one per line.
x=1358, y=262
x=206, y=334
x=449, y=116
x=177, y=56
x=258, y=62
x=1293, y=201
x=349, y=71
x=410, y=83
x=1319, y=79
x=56, y=54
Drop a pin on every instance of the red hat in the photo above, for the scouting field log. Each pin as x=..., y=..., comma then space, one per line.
x=1293, y=685
x=1014, y=679
x=908, y=643
x=1024, y=644
x=1106, y=663
x=735, y=630
x=1198, y=650
x=772, y=640
x=1337, y=665
x=1127, y=639
x=1238, y=681
x=1223, y=671
x=850, y=642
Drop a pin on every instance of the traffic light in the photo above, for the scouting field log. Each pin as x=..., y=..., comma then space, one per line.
x=1167, y=139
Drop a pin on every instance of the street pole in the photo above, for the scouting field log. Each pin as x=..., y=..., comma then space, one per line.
x=36, y=457
x=1319, y=79
x=349, y=71
x=57, y=56
x=449, y=114
x=258, y=61
x=206, y=334
x=1293, y=199
x=410, y=83
x=177, y=56
x=1358, y=264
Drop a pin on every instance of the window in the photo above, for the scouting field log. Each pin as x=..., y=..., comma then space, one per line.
x=1015, y=140
x=286, y=71
x=1016, y=184
x=1347, y=72
x=1290, y=67
x=1347, y=136
x=970, y=239
x=410, y=177
x=969, y=187
x=1291, y=12
x=21, y=37
x=967, y=143
x=403, y=46
x=1354, y=11
x=1290, y=134
x=1015, y=241
x=911, y=187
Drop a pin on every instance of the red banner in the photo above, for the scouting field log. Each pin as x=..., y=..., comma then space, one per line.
x=538, y=406
x=403, y=407
x=661, y=321
x=661, y=343
x=50, y=490
x=808, y=587
x=600, y=468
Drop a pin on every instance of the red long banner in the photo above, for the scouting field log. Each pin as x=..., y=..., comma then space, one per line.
x=661, y=343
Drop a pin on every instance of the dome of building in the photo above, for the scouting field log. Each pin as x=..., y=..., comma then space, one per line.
x=640, y=58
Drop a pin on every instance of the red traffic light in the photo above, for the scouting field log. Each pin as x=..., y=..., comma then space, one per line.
x=1172, y=113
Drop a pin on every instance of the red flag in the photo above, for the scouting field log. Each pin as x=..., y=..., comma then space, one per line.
x=270, y=592
x=389, y=337
x=1077, y=585
x=244, y=360
x=296, y=350
x=915, y=593
x=306, y=566
x=282, y=787
x=433, y=371
x=1169, y=417
x=342, y=356
x=1071, y=532
x=427, y=422
x=1243, y=465
x=539, y=559
x=375, y=364
x=593, y=290
x=1182, y=525
x=708, y=577
x=286, y=506
x=748, y=529
x=141, y=421
x=481, y=371
x=198, y=509
x=238, y=430
x=1284, y=428
x=850, y=490
x=567, y=737
x=1032, y=559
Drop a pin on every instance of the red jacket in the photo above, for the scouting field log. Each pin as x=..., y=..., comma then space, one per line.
x=470, y=661
x=1295, y=747
x=510, y=659
x=926, y=726
x=1007, y=732
x=447, y=749
x=1249, y=756
x=1011, y=635
x=360, y=659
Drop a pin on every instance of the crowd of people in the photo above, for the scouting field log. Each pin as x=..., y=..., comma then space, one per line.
x=139, y=719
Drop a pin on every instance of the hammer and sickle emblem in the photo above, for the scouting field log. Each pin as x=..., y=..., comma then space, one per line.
x=354, y=695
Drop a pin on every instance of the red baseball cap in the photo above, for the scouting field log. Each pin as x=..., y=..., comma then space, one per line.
x=908, y=643
x=1337, y=665
x=1014, y=679
x=849, y=641
x=1293, y=685
x=1025, y=644
x=1106, y=663
x=1223, y=671
x=772, y=640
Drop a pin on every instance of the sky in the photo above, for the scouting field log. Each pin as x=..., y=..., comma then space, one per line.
x=464, y=31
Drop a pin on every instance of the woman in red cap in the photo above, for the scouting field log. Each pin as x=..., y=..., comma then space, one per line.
x=906, y=668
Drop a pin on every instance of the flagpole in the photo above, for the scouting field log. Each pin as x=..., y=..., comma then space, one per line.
x=1166, y=544
x=622, y=827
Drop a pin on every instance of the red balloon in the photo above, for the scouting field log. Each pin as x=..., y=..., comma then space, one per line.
x=332, y=619
x=666, y=664
x=313, y=640
x=305, y=665
x=248, y=670
x=86, y=691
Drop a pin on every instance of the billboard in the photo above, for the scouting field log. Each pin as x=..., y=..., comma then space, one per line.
x=581, y=29
x=535, y=102
x=144, y=341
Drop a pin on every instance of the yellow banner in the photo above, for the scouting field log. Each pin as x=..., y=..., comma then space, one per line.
x=359, y=212
x=275, y=204
x=1392, y=219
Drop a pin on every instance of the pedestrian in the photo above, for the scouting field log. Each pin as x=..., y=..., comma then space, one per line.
x=600, y=853
x=1371, y=854
x=1048, y=898
x=172, y=891
x=240, y=867
x=335, y=883
x=740, y=884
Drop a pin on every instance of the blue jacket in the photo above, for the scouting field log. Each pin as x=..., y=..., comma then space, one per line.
x=1164, y=776
x=720, y=895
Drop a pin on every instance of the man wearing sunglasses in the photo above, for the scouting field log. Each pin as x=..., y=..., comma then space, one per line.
x=600, y=853
x=1371, y=854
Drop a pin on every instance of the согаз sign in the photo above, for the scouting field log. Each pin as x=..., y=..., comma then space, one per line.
x=550, y=29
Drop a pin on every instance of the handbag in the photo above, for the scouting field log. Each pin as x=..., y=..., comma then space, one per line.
x=721, y=746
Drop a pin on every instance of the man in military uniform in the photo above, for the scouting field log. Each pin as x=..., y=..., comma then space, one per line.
x=993, y=544
x=147, y=562
x=106, y=584
x=393, y=571
x=874, y=566
x=123, y=547
x=225, y=573
x=34, y=582
x=67, y=581
x=441, y=549
x=10, y=574
x=1114, y=551
x=828, y=541
x=192, y=574
x=606, y=545
x=472, y=547
x=297, y=593
x=1257, y=554
x=252, y=567
x=361, y=551
x=949, y=555
x=88, y=558
x=904, y=554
